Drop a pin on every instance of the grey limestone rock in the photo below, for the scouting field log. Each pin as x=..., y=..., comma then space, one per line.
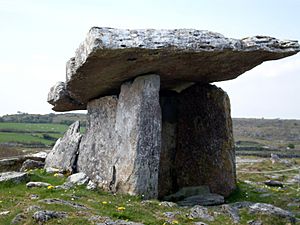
x=33, y=208
x=63, y=202
x=233, y=212
x=269, y=209
x=108, y=57
x=15, y=177
x=45, y=215
x=120, y=150
x=60, y=98
x=78, y=178
x=98, y=146
x=138, y=128
x=204, y=200
x=200, y=212
x=273, y=183
x=19, y=219
x=64, y=153
x=205, y=153
x=31, y=164
x=37, y=184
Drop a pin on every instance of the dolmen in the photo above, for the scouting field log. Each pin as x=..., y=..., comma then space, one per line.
x=155, y=123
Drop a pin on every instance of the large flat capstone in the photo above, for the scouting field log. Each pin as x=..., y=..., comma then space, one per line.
x=108, y=57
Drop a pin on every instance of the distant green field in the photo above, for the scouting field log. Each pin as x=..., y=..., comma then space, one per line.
x=34, y=127
x=31, y=133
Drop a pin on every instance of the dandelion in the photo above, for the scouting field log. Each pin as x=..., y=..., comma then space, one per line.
x=50, y=187
x=175, y=222
x=121, y=208
x=104, y=202
x=56, y=175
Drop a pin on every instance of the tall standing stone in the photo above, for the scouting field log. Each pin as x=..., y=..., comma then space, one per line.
x=205, y=146
x=167, y=179
x=138, y=126
x=64, y=154
x=98, y=146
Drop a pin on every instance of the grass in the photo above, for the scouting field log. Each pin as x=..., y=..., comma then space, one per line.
x=34, y=127
x=23, y=138
x=16, y=198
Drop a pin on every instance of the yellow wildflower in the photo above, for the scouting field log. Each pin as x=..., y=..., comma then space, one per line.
x=175, y=222
x=104, y=202
x=121, y=208
x=56, y=174
x=50, y=187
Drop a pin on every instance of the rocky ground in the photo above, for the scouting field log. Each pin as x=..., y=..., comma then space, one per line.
x=268, y=193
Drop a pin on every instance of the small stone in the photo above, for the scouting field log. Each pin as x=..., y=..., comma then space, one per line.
x=78, y=179
x=37, y=184
x=295, y=179
x=254, y=222
x=171, y=215
x=19, y=219
x=269, y=209
x=15, y=177
x=273, y=183
x=31, y=164
x=91, y=185
x=265, y=195
x=45, y=215
x=63, y=202
x=34, y=196
x=3, y=213
x=33, y=208
x=200, y=212
x=52, y=170
x=233, y=213
x=274, y=158
x=199, y=223
x=168, y=204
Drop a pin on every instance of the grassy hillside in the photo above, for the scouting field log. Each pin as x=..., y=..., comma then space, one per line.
x=265, y=136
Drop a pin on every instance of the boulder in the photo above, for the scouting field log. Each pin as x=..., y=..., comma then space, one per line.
x=63, y=156
x=31, y=164
x=108, y=57
x=15, y=177
x=205, y=152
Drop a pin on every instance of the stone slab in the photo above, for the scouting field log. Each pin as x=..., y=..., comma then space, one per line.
x=108, y=57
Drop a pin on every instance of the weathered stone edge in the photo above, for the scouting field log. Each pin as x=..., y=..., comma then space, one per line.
x=186, y=40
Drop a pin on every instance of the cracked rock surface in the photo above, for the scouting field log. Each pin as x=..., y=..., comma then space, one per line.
x=109, y=56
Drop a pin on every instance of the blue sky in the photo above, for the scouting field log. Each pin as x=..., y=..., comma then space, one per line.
x=39, y=36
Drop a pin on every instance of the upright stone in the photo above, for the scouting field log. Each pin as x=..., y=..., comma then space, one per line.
x=97, y=148
x=64, y=154
x=138, y=126
x=205, y=147
x=167, y=168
